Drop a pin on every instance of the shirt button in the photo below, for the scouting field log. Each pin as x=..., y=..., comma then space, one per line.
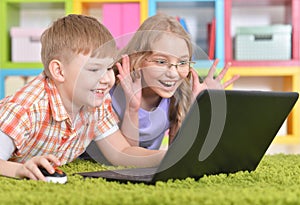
x=64, y=139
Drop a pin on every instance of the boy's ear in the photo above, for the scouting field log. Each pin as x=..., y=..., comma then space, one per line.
x=55, y=68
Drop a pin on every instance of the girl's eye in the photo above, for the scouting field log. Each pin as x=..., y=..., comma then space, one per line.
x=183, y=62
x=161, y=61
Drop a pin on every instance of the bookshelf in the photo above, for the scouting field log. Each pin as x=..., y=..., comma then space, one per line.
x=281, y=75
x=30, y=14
x=121, y=17
x=264, y=12
x=198, y=14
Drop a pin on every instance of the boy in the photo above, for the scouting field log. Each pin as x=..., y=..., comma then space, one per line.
x=52, y=119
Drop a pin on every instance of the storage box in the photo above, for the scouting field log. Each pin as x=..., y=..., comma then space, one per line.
x=263, y=43
x=25, y=44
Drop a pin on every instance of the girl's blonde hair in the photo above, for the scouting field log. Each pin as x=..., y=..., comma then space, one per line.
x=74, y=34
x=139, y=47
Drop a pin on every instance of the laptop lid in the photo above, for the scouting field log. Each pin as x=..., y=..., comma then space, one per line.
x=224, y=132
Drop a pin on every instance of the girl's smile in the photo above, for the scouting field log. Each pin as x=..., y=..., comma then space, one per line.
x=160, y=71
x=167, y=83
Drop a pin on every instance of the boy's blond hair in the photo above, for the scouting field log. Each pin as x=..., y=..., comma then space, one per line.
x=75, y=34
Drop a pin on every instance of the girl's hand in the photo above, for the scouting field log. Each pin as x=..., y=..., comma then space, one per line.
x=30, y=169
x=211, y=82
x=131, y=83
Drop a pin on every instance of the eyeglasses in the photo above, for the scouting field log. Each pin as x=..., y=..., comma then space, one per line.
x=181, y=67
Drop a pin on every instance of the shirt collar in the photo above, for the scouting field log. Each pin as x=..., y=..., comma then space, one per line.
x=58, y=110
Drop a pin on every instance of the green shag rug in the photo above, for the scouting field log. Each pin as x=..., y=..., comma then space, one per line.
x=275, y=181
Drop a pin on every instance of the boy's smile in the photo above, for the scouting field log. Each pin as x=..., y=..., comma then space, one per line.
x=100, y=76
x=87, y=81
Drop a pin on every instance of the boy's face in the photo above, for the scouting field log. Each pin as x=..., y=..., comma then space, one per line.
x=88, y=80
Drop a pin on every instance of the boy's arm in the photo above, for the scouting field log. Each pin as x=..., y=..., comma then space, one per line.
x=10, y=169
x=118, y=151
x=27, y=170
x=7, y=146
x=129, y=126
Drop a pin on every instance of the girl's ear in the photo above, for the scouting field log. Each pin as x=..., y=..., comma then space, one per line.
x=55, y=68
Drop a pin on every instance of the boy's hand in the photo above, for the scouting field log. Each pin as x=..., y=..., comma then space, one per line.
x=30, y=169
x=131, y=83
x=211, y=82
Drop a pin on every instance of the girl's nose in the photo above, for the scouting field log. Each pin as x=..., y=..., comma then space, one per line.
x=172, y=72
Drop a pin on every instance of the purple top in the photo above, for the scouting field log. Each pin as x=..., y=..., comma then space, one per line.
x=152, y=124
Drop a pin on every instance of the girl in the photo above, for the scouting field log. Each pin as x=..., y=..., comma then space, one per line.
x=162, y=83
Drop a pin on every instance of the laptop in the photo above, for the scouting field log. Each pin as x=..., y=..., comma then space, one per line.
x=225, y=131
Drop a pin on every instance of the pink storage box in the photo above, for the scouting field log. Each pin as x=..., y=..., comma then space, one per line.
x=25, y=44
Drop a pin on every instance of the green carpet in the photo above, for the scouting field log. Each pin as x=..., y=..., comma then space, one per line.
x=275, y=181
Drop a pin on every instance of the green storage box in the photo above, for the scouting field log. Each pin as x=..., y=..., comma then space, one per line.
x=263, y=43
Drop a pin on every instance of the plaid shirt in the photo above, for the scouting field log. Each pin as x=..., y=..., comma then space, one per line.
x=35, y=118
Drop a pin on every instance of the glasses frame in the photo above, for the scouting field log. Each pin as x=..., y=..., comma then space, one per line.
x=169, y=65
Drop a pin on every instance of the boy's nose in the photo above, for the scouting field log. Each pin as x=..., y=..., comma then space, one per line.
x=104, y=78
x=107, y=78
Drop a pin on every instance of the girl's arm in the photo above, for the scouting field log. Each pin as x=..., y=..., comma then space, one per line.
x=131, y=84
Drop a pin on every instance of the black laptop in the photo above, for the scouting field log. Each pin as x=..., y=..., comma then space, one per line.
x=224, y=132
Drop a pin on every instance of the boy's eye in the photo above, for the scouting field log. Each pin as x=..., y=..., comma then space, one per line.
x=93, y=70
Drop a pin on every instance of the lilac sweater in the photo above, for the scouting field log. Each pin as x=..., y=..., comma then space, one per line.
x=152, y=124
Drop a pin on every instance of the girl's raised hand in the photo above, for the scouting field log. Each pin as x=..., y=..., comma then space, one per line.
x=211, y=82
x=130, y=82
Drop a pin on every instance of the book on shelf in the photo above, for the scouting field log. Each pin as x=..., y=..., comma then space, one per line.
x=211, y=35
x=183, y=23
x=211, y=38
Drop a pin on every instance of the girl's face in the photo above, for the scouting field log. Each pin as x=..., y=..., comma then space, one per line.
x=89, y=80
x=168, y=65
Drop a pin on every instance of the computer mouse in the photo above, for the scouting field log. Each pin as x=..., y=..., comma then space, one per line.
x=57, y=177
